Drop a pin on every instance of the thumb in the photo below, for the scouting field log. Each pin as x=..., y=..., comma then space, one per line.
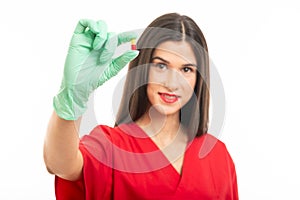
x=116, y=65
x=120, y=62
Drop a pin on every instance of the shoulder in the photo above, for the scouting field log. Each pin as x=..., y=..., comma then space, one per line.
x=209, y=149
x=121, y=130
x=100, y=134
x=108, y=137
x=209, y=145
x=96, y=146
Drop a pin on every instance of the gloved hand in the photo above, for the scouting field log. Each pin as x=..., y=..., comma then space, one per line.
x=88, y=65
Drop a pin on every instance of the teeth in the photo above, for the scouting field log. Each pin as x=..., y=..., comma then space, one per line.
x=169, y=96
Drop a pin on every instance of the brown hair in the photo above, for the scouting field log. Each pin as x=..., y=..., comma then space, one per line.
x=169, y=27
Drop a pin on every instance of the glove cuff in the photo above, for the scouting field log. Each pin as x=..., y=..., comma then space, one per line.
x=66, y=106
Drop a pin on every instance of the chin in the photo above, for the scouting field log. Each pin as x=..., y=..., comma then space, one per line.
x=166, y=110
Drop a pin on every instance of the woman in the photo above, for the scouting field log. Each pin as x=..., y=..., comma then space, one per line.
x=161, y=127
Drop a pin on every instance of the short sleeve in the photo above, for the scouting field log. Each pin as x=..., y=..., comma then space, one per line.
x=233, y=178
x=96, y=179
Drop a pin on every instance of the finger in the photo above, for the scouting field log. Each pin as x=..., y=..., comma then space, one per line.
x=83, y=24
x=98, y=27
x=121, y=61
x=108, y=48
x=116, y=66
x=126, y=37
x=101, y=36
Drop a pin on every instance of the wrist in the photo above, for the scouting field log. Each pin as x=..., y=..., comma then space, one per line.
x=68, y=105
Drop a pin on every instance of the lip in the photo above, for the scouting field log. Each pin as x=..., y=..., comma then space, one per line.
x=168, y=98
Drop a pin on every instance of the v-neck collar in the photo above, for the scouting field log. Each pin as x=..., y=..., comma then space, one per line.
x=142, y=134
x=157, y=162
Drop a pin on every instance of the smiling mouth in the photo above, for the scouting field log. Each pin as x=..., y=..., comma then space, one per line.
x=168, y=98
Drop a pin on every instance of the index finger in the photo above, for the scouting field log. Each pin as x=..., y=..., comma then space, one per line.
x=126, y=37
x=95, y=27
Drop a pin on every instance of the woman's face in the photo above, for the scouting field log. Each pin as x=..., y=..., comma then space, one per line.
x=172, y=76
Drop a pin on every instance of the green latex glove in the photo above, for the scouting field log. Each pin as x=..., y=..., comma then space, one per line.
x=88, y=65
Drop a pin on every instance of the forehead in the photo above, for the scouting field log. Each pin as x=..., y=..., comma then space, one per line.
x=180, y=49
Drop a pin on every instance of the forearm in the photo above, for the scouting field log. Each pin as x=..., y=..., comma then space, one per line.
x=61, y=148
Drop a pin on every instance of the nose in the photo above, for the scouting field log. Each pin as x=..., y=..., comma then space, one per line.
x=172, y=80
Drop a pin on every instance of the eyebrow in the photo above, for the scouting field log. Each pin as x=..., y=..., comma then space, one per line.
x=185, y=65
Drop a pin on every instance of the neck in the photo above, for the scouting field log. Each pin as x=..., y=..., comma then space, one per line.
x=159, y=126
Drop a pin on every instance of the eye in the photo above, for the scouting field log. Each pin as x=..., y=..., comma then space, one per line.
x=187, y=69
x=161, y=66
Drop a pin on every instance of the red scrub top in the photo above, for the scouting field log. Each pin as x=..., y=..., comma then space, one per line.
x=123, y=163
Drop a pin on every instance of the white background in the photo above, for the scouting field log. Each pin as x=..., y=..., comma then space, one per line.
x=255, y=46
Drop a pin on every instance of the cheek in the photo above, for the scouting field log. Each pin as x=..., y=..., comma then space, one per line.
x=151, y=89
x=155, y=77
x=190, y=84
x=188, y=89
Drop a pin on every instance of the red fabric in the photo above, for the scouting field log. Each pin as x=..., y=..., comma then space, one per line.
x=123, y=163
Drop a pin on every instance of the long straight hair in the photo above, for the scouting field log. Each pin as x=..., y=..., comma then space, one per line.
x=169, y=27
